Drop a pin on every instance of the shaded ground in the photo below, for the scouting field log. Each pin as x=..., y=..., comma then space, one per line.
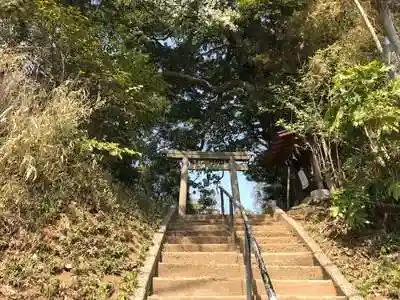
x=370, y=261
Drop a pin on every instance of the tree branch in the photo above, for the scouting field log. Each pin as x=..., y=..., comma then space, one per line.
x=235, y=83
x=369, y=25
x=208, y=86
x=197, y=81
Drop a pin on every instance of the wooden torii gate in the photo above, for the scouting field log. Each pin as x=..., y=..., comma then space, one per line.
x=197, y=160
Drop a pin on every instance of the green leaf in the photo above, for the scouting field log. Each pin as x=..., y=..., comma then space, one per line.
x=334, y=211
x=394, y=190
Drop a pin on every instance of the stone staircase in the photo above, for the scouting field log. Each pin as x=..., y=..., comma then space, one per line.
x=201, y=260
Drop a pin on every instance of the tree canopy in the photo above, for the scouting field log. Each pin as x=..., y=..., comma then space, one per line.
x=223, y=75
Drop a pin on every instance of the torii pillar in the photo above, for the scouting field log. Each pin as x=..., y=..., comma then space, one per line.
x=183, y=190
x=234, y=179
x=232, y=166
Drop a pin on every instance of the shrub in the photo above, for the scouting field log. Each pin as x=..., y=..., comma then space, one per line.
x=351, y=207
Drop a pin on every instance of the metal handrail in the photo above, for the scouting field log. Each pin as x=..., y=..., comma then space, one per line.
x=249, y=236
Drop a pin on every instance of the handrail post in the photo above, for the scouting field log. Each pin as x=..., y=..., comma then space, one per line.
x=222, y=203
x=231, y=215
x=232, y=219
x=247, y=262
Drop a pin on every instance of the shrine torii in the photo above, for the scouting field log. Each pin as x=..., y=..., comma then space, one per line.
x=196, y=160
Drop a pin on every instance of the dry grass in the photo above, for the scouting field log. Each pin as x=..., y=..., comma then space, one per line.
x=66, y=231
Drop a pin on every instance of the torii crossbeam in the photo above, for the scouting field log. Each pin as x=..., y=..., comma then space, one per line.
x=228, y=160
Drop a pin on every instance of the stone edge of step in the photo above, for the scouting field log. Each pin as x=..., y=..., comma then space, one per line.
x=216, y=278
x=150, y=264
x=238, y=254
x=162, y=282
x=156, y=297
x=179, y=269
x=283, y=253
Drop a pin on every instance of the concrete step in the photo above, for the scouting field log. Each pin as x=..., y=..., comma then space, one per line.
x=272, y=232
x=199, y=239
x=280, y=297
x=265, y=234
x=211, y=233
x=214, y=217
x=305, y=258
x=238, y=271
x=168, y=270
x=236, y=287
x=191, y=227
x=210, y=258
x=258, y=218
x=259, y=222
x=292, y=272
x=267, y=227
x=225, y=232
x=227, y=221
x=293, y=297
x=252, y=217
x=199, y=217
x=200, y=247
x=190, y=218
x=197, y=287
x=281, y=247
x=299, y=288
x=279, y=227
x=274, y=239
x=202, y=222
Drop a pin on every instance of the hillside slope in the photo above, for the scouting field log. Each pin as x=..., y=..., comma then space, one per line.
x=68, y=230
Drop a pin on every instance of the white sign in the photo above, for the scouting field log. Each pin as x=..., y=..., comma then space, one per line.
x=303, y=179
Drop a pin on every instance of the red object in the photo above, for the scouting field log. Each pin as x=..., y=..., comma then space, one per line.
x=282, y=145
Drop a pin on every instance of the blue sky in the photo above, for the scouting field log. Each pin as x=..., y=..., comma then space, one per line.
x=246, y=189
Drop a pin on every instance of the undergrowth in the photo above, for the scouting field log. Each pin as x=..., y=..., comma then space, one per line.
x=370, y=260
x=68, y=230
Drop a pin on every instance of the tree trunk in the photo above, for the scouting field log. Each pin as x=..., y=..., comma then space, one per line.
x=316, y=171
x=386, y=20
x=332, y=171
x=342, y=175
x=288, y=188
x=374, y=147
x=369, y=25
